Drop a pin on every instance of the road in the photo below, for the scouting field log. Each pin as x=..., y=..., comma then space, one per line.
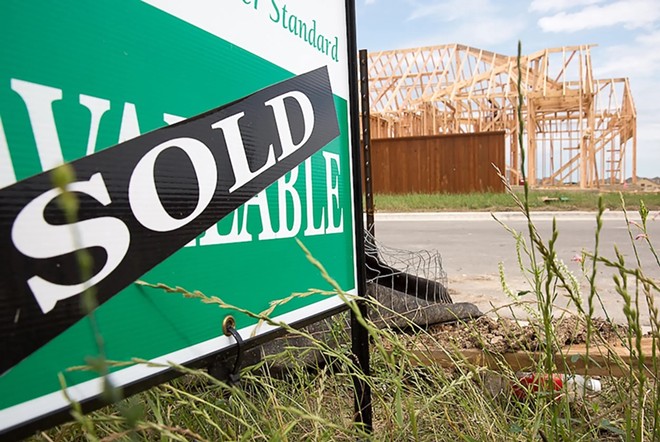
x=472, y=246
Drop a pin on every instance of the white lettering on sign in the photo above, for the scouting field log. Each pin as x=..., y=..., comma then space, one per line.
x=332, y=187
x=212, y=237
x=39, y=103
x=129, y=127
x=37, y=238
x=173, y=119
x=236, y=150
x=7, y=174
x=282, y=120
x=143, y=195
x=285, y=188
x=247, y=229
x=97, y=108
x=33, y=236
x=311, y=230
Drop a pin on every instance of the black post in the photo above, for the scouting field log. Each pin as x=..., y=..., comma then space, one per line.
x=359, y=335
x=366, y=139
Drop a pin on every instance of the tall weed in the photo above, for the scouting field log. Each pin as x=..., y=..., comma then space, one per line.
x=413, y=399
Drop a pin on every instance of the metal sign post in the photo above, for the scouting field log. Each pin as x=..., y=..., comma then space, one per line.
x=360, y=336
x=366, y=140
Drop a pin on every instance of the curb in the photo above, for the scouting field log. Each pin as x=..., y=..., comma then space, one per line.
x=503, y=216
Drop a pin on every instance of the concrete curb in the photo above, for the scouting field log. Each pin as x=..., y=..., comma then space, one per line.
x=503, y=216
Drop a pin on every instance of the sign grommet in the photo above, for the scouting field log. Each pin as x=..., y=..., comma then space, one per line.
x=228, y=323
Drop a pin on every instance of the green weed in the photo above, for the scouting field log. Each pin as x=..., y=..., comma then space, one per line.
x=412, y=399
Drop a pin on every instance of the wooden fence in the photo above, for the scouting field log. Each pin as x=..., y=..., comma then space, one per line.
x=460, y=163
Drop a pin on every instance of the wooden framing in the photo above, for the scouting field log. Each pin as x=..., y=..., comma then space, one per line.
x=578, y=129
x=604, y=359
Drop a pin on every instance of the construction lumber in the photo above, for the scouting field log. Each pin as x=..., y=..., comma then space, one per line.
x=602, y=360
x=578, y=130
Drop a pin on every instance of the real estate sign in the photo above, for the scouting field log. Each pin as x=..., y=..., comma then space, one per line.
x=206, y=137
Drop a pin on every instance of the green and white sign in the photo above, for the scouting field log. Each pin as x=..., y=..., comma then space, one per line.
x=206, y=137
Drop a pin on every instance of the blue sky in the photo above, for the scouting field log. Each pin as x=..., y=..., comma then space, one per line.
x=626, y=32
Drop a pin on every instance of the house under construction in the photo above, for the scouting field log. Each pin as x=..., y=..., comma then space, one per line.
x=577, y=129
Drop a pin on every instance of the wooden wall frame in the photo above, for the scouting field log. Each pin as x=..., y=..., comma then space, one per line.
x=578, y=130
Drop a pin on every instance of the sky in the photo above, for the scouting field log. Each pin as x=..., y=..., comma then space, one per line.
x=626, y=32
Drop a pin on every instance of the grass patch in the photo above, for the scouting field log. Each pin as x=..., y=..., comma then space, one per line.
x=415, y=401
x=555, y=200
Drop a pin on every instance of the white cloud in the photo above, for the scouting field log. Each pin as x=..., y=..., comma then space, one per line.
x=481, y=23
x=558, y=5
x=652, y=39
x=640, y=61
x=481, y=32
x=640, y=58
x=625, y=60
x=451, y=10
x=629, y=13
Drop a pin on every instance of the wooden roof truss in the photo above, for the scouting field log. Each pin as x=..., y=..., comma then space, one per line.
x=578, y=129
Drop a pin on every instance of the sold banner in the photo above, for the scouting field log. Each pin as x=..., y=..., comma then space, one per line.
x=205, y=138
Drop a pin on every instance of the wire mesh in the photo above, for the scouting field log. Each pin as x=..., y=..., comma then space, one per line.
x=409, y=287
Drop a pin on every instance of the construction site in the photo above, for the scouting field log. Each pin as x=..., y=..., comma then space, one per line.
x=577, y=130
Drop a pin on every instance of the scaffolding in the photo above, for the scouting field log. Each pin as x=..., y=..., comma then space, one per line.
x=577, y=129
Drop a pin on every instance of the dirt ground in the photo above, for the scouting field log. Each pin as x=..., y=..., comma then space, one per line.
x=485, y=291
x=505, y=335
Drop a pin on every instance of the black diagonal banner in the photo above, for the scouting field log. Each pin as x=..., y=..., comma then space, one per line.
x=143, y=200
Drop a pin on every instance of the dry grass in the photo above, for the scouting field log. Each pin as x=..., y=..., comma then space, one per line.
x=413, y=401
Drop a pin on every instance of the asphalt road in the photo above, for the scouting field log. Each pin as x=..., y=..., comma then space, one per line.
x=472, y=246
